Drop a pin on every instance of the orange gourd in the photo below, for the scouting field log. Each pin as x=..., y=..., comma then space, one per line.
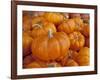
x=51, y=47
x=83, y=58
x=26, y=22
x=77, y=40
x=55, y=18
x=40, y=27
x=67, y=26
x=71, y=62
x=27, y=41
x=85, y=30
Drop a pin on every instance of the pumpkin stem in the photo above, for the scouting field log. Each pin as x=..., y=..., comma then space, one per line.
x=37, y=25
x=50, y=35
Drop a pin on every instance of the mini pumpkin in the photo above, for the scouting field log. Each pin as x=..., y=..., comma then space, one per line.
x=27, y=41
x=67, y=27
x=78, y=22
x=27, y=59
x=71, y=55
x=33, y=65
x=71, y=62
x=51, y=47
x=53, y=17
x=85, y=30
x=77, y=40
x=26, y=22
x=84, y=56
x=42, y=29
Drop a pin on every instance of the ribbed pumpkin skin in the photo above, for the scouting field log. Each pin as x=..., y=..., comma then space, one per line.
x=42, y=29
x=55, y=18
x=26, y=22
x=67, y=27
x=77, y=40
x=84, y=56
x=85, y=30
x=47, y=49
x=27, y=41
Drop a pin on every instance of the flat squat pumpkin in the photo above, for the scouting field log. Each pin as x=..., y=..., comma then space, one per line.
x=51, y=47
x=40, y=27
x=77, y=40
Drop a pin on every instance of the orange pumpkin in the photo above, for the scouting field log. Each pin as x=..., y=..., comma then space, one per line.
x=84, y=56
x=67, y=27
x=33, y=65
x=41, y=28
x=71, y=62
x=55, y=18
x=78, y=22
x=77, y=40
x=72, y=54
x=85, y=30
x=26, y=22
x=51, y=47
x=27, y=41
x=28, y=59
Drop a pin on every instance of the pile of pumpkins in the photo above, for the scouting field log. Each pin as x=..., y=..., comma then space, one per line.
x=54, y=39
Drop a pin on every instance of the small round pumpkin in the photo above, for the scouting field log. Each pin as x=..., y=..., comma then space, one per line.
x=85, y=30
x=53, y=17
x=27, y=41
x=40, y=27
x=33, y=65
x=26, y=22
x=28, y=59
x=71, y=62
x=37, y=13
x=51, y=47
x=78, y=22
x=67, y=27
x=84, y=56
x=77, y=40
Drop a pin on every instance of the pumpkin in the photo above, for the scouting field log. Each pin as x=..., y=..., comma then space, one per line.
x=55, y=18
x=83, y=58
x=71, y=62
x=41, y=28
x=87, y=42
x=85, y=30
x=67, y=27
x=74, y=15
x=26, y=22
x=77, y=40
x=27, y=41
x=33, y=65
x=71, y=55
x=51, y=47
x=28, y=59
x=37, y=13
x=78, y=22
x=85, y=18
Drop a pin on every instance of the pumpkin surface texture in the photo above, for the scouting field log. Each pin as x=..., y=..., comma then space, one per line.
x=51, y=47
